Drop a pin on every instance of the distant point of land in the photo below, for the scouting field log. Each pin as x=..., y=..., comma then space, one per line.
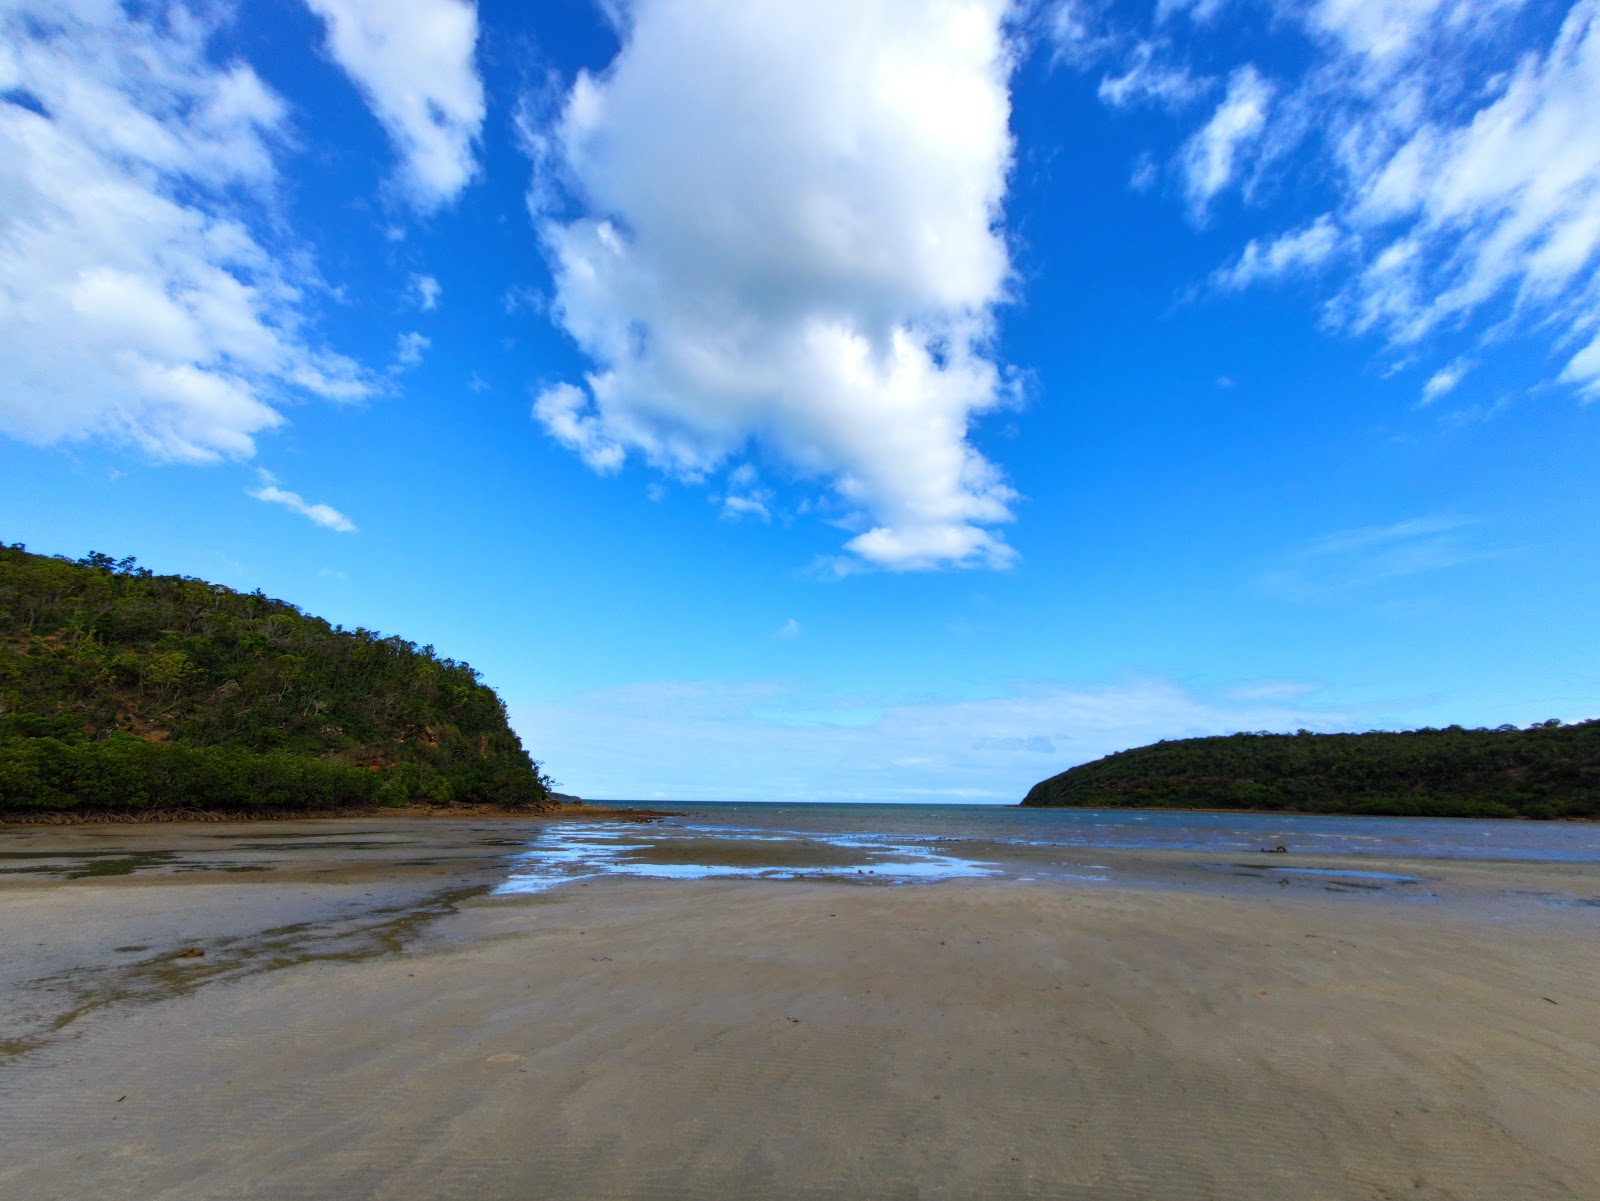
x=1548, y=770
x=134, y=695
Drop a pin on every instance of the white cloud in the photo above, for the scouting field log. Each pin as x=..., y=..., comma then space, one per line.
x=1507, y=199
x=745, y=496
x=1298, y=250
x=734, y=507
x=1145, y=173
x=1463, y=159
x=1352, y=562
x=1381, y=29
x=790, y=234
x=1444, y=381
x=1077, y=32
x=523, y=300
x=413, y=61
x=789, y=630
x=563, y=410
x=1211, y=159
x=324, y=515
x=138, y=302
x=425, y=292
x=708, y=741
x=409, y=348
x=1201, y=12
x=1145, y=80
x=1364, y=538
x=1272, y=690
x=1583, y=370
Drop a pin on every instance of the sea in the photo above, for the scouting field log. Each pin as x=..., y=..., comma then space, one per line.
x=922, y=843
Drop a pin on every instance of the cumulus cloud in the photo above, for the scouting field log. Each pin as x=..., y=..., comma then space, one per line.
x=413, y=61
x=139, y=300
x=1213, y=156
x=789, y=232
x=789, y=630
x=324, y=515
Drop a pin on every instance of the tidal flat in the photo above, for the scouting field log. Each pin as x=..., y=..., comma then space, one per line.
x=525, y=1009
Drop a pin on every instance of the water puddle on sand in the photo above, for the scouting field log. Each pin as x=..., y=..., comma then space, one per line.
x=46, y=1005
x=568, y=852
x=1337, y=879
x=81, y=865
x=1339, y=872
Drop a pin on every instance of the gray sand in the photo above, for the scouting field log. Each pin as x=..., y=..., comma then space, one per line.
x=366, y=1025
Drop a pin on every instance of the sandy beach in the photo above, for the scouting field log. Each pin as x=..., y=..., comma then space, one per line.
x=370, y=1020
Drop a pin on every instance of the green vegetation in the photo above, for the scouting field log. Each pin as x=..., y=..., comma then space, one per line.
x=124, y=691
x=1548, y=770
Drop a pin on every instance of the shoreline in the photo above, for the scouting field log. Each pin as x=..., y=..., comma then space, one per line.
x=1419, y=817
x=399, y=813
x=612, y=810
x=1454, y=817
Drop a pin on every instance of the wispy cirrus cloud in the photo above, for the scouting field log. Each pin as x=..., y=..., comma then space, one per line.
x=1147, y=77
x=1353, y=562
x=1292, y=253
x=1445, y=380
x=1451, y=145
x=1213, y=158
x=723, y=741
x=326, y=516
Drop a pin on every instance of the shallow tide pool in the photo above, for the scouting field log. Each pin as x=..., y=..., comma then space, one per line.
x=570, y=851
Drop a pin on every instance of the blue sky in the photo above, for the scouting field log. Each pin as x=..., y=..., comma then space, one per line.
x=865, y=399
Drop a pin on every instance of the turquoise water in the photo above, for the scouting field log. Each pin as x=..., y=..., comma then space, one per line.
x=924, y=843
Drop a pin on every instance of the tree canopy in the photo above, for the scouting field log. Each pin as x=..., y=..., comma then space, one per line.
x=1547, y=770
x=122, y=690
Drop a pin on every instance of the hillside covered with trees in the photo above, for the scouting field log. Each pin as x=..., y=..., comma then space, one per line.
x=1548, y=770
x=125, y=691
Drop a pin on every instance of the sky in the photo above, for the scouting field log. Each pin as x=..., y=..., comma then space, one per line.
x=887, y=400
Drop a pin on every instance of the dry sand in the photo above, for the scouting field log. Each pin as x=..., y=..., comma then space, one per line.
x=368, y=1022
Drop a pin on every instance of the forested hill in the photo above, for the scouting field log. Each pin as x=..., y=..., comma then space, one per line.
x=1545, y=771
x=121, y=690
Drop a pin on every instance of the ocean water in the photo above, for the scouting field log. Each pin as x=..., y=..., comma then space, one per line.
x=904, y=844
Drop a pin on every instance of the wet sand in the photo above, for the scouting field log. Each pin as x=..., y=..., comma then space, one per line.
x=370, y=1020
